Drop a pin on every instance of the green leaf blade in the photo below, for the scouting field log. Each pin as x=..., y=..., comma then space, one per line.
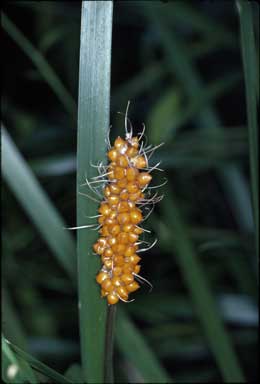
x=38, y=365
x=251, y=73
x=15, y=369
x=200, y=292
x=41, y=64
x=135, y=348
x=93, y=124
x=36, y=204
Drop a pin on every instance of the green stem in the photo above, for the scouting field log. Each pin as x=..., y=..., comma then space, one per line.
x=109, y=346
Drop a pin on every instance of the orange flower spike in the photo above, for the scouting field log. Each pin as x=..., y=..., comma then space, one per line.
x=108, y=263
x=131, y=173
x=130, y=251
x=113, y=200
x=137, y=230
x=127, y=227
x=122, y=292
x=116, y=281
x=114, y=229
x=107, y=191
x=127, y=278
x=117, y=271
x=119, y=248
x=101, y=277
x=123, y=238
x=101, y=219
x=134, y=259
x=122, y=161
x=111, y=174
x=107, y=285
x=119, y=219
x=108, y=252
x=98, y=249
x=122, y=183
x=134, y=142
x=132, y=187
x=128, y=268
x=132, y=286
x=112, y=154
x=115, y=189
x=110, y=222
x=120, y=145
x=112, y=298
x=135, y=196
x=132, y=237
x=139, y=162
x=119, y=260
x=144, y=178
x=113, y=215
x=124, y=195
x=131, y=152
x=104, y=209
x=119, y=173
x=123, y=218
x=102, y=241
x=123, y=206
x=112, y=241
x=136, y=216
x=104, y=230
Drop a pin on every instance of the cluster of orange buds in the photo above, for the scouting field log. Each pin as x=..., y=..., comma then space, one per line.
x=119, y=217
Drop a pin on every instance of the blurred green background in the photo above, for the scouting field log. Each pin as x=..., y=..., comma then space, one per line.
x=180, y=64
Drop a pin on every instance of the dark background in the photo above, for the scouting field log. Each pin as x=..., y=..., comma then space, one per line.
x=174, y=99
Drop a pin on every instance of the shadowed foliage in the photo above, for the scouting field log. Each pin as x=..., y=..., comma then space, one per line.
x=191, y=72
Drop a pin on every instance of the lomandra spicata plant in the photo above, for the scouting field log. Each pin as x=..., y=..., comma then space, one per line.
x=124, y=183
x=183, y=313
x=93, y=123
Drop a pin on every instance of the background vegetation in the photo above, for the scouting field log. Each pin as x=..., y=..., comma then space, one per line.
x=193, y=79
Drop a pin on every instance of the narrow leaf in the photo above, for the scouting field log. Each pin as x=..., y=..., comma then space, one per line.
x=36, y=204
x=185, y=72
x=15, y=369
x=93, y=124
x=41, y=64
x=12, y=326
x=200, y=291
x=39, y=366
x=251, y=72
x=135, y=348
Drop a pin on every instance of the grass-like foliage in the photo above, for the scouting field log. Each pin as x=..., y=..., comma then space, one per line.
x=93, y=124
x=191, y=72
